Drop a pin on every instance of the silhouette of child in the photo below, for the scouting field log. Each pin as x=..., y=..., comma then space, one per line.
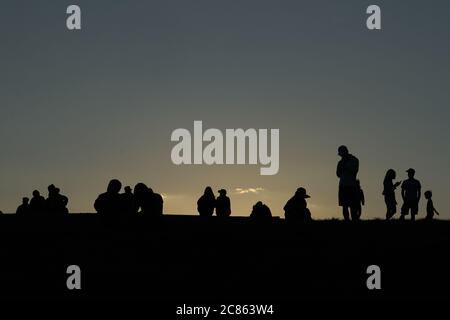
x=430, y=207
x=360, y=200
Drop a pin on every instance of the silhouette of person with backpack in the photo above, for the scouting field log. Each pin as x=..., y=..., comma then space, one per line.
x=56, y=203
x=360, y=200
x=24, y=208
x=389, y=193
x=296, y=209
x=37, y=203
x=110, y=203
x=411, y=191
x=347, y=170
x=430, y=207
x=223, y=204
x=206, y=203
x=261, y=211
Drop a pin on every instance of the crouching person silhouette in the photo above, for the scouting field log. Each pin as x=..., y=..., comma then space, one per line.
x=296, y=208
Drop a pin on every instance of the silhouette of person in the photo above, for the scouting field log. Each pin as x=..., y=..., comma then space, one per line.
x=430, y=207
x=347, y=170
x=411, y=191
x=261, y=211
x=223, y=204
x=296, y=209
x=110, y=203
x=149, y=202
x=360, y=201
x=389, y=193
x=37, y=203
x=24, y=208
x=157, y=203
x=206, y=203
x=56, y=203
x=128, y=201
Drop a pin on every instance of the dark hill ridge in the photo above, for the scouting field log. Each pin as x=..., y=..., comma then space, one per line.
x=186, y=257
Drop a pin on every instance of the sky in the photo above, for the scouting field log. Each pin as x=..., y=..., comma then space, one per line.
x=78, y=108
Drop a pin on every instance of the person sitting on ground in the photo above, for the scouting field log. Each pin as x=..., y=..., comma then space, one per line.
x=147, y=201
x=296, y=209
x=24, y=208
x=37, y=203
x=261, y=211
x=56, y=203
x=110, y=203
x=206, y=203
x=223, y=204
x=128, y=201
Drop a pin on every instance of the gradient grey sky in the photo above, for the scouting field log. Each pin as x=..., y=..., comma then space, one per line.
x=78, y=108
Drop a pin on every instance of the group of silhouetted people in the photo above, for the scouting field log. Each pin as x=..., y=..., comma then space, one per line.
x=351, y=196
x=142, y=200
x=208, y=202
x=411, y=193
x=55, y=204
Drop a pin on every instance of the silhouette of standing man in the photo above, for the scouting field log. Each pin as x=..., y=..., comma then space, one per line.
x=347, y=170
x=223, y=205
x=411, y=190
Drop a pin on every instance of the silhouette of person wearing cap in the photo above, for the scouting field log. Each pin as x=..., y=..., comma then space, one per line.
x=223, y=204
x=56, y=203
x=24, y=208
x=37, y=203
x=430, y=207
x=261, y=211
x=206, y=203
x=296, y=209
x=347, y=170
x=411, y=191
x=389, y=193
x=110, y=203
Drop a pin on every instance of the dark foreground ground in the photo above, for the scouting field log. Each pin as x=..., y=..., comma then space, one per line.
x=181, y=258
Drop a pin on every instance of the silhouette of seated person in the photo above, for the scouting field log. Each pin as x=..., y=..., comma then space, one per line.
x=223, y=204
x=149, y=202
x=261, y=211
x=296, y=208
x=129, y=203
x=430, y=206
x=37, y=203
x=206, y=203
x=110, y=203
x=24, y=208
x=56, y=203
